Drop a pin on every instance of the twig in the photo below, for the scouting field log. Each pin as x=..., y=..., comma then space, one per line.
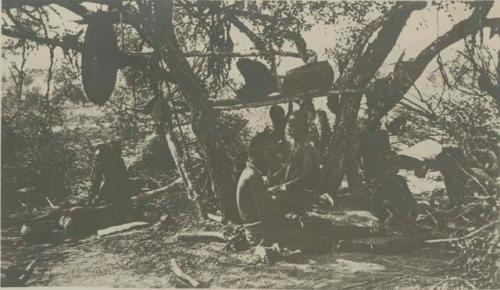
x=406, y=266
x=360, y=284
x=158, y=190
x=463, y=237
x=363, y=283
x=183, y=276
x=391, y=280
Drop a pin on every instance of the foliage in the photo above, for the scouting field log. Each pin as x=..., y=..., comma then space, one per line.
x=477, y=255
x=34, y=151
x=468, y=122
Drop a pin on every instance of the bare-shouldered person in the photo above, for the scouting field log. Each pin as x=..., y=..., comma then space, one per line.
x=263, y=222
x=297, y=189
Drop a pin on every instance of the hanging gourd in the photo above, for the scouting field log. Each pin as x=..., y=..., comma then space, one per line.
x=100, y=59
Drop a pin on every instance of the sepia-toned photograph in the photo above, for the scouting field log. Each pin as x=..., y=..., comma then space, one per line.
x=250, y=144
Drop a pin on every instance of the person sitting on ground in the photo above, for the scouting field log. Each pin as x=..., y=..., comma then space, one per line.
x=299, y=177
x=264, y=224
x=392, y=200
x=110, y=180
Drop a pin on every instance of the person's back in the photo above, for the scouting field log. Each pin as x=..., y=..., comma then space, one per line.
x=395, y=189
x=249, y=184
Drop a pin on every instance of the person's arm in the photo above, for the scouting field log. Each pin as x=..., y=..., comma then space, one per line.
x=306, y=168
x=265, y=210
x=277, y=176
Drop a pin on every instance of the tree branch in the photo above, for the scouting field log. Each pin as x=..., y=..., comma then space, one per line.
x=392, y=24
x=406, y=73
x=259, y=43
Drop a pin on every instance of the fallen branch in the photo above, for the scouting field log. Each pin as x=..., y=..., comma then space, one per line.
x=201, y=237
x=450, y=240
x=183, y=276
x=215, y=218
x=160, y=190
x=121, y=228
x=28, y=271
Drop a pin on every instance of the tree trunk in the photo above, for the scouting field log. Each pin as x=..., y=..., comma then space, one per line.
x=344, y=151
x=203, y=116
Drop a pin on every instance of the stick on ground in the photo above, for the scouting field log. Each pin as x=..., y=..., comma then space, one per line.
x=183, y=276
x=160, y=190
x=121, y=228
x=201, y=237
x=463, y=237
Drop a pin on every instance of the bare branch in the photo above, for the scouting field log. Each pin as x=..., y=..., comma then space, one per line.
x=408, y=72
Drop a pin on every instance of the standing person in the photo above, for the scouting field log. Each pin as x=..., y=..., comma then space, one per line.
x=279, y=121
x=299, y=177
x=325, y=133
x=308, y=109
x=264, y=223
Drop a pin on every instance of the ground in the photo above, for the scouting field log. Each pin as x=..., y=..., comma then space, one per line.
x=141, y=258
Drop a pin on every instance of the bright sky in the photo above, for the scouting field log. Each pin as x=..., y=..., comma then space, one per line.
x=422, y=28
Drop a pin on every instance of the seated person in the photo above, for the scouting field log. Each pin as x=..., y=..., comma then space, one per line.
x=110, y=181
x=299, y=177
x=264, y=224
x=392, y=200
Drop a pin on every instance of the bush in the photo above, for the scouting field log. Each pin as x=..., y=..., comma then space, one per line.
x=34, y=151
x=467, y=122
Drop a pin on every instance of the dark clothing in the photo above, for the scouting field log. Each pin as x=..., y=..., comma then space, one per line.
x=110, y=180
x=287, y=234
x=374, y=147
x=393, y=189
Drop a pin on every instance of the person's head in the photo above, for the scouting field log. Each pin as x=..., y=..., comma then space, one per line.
x=445, y=162
x=322, y=114
x=297, y=126
x=307, y=106
x=108, y=151
x=261, y=150
x=277, y=114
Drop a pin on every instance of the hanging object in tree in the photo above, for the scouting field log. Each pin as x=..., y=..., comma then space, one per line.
x=100, y=59
x=312, y=77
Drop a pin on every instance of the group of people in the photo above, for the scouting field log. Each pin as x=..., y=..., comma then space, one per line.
x=273, y=200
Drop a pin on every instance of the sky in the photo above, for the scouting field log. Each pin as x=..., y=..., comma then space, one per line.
x=421, y=29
